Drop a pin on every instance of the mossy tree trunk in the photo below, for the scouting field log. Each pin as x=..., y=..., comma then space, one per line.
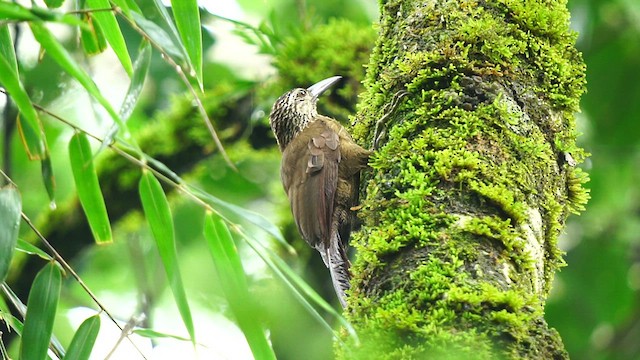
x=470, y=190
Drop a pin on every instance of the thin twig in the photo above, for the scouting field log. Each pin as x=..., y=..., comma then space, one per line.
x=185, y=80
x=75, y=275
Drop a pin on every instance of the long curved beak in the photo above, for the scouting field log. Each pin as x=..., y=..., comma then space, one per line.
x=318, y=88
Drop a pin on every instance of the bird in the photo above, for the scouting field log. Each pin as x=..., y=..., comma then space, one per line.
x=320, y=173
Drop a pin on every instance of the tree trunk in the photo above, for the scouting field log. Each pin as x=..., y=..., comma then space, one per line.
x=471, y=188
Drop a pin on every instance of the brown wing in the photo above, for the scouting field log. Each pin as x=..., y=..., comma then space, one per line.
x=310, y=176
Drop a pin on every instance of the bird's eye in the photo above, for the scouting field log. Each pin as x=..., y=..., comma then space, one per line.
x=300, y=95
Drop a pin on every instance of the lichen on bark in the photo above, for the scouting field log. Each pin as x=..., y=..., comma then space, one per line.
x=470, y=190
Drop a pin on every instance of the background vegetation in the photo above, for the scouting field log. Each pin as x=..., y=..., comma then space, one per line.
x=253, y=52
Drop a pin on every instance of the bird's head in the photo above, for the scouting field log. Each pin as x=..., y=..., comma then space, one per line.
x=295, y=109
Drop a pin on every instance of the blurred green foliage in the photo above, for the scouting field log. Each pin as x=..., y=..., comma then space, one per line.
x=595, y=303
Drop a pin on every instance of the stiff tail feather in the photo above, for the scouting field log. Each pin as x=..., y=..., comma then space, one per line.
x=338, y=264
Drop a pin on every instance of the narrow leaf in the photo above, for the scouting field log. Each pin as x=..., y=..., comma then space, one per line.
x=127, y=6
x=64, y=59
x=158, y=214
x=234, y=284
x=53, y=4
x=187, y=17
x=84, y=339
x=164, y=17
x=6, y=48
x=10, y=210
x=152, y=334
x=13, y=11
x=113, y=34
x=30, y=249
x=41, y=311
x=140, y=70
x=299, y=288
x=86, y=179
x=93, y=41
x=49, y=180
x=160, y=37
x=238, y=214
x=13, y=322
x=29, y=124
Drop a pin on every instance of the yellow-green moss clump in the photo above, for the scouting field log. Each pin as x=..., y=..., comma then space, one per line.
x=470, y=190
x=339, y=47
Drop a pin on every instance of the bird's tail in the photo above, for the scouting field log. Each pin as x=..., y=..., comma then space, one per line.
x=338, y=264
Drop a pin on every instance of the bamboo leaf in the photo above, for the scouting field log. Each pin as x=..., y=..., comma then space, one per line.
x=29, y=124
x=187, y=17
x=16, y=12
x=30, y=249
x=93, y=41
x=53, y=4
x=160, y=37
x=234, y=284
x=13, y=322
x=13, y=11
x=84, y=339
x=86, y=179
x=127, y=6
x=49, y=179
x=238, y=214
x=113, y=34
x=6, y=48
x=10, y=210
x=64, y=59
x=140, y=70
x=158, y=214
x=152, y=334
x=41, y=311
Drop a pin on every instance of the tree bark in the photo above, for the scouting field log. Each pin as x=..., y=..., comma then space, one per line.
x=471, y=188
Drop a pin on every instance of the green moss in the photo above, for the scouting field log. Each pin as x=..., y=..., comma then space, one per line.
x=448, y=256
x=339, y=47
x=578, y=194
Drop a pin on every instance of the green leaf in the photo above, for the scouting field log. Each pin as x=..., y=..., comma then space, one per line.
x=30, y=249
x=41, y=311
x=64, y=59
x=187, y=17
x=49, y=180
x=160, y=37
x=93, y=41
x=13, y=11
x=127, y=6
x=16, y=12
x=158, y=214
x=13, y=322
x=238, y=214
x=6, y=48
x=53, y=4
x=234, y=284
x=86, y=179
x=140, y=70
x=113, y=34
x=29, y=124
x=10, y=210
x=299, y=288
x=152, y=334
x=84, y=339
